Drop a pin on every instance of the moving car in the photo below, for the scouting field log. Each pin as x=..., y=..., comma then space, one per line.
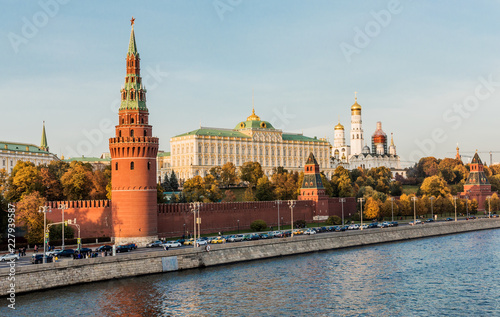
x=430, y=220
x=38, y=258
x=172, y=244
x=201, y=242
x=65, y=252
x=9, y=257
x=104, y=248
x=416, y=222
x=132, y=246
x=122, y=248
x=52, y=252
x=449, y=219
x=154, y=244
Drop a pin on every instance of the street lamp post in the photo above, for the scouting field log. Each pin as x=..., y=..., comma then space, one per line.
x=63, y=207
x=489, y=205
x=392, y=209
x=238, y=225
x=455, y=201
x=195, y=207
x=291, y=203
x=45, y=210
x=184, y=230
x=278, y=202
x=342, y=201
x=361, y=201
x=432, y=211
x=414, y=199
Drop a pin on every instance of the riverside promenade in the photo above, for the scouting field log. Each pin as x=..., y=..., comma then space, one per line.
x=60, y=274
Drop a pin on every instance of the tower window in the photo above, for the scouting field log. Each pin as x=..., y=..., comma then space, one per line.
x=116, y=166
x=131, y=133
x=131, y=120
x=131, y=165
x=120, y=133
x=123, y=121
x=149, y=166
x=142, y=120
x=145, y=132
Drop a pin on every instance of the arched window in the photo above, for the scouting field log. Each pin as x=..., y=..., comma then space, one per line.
x=145, y=132
x=123, y=121
x=116, y=166
x=131, y=165
x=142, y=120
x=149, y=166
x=131, y=120
x=120, y=133
x=131, y=133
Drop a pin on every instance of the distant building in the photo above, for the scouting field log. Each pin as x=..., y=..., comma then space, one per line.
x=98, y=163
x=356, y=155
x=477, y=185
x=254, y=140
x=12, y=152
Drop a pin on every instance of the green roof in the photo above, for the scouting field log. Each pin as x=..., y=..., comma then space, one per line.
x=215, y=132
x=300, y=137
x=87, y=159
x=254, y=124
x=132, y=47
x=22, y=147
x=162, y=154
x=43, y=144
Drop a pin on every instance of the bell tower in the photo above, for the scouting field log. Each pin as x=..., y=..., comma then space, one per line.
x=133, y=160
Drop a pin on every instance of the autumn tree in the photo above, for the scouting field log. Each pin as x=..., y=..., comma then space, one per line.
x=212, y=190
x=24, y=179
x=27, y=215
x=251, y=172
x=285, y=185
x=434, y=186
x=216, y=172
x=51, y=186
x=228, y=174
x=76, y=181
x=404, y=205
x=194, y=189
x=99, y=180
x=229, y=196
x=248, y=195
x=371, y=209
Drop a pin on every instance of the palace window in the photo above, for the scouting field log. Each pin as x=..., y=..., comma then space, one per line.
x=3, y=162
x=237, y=150
x=131, y=165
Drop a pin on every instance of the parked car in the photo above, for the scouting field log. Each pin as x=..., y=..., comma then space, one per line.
x=449, y=219
x=122, y=248
x=236, y=238
x=353, y=227
x=218, y=240
x=416, y=222
x=132, y=246
x=373, y=225
x=265, y=236
x=172, y=244
x=189, y=242
x=252, y=236
x=9, y=257
x=298, y=231
x=394, y=223
x=104, y=248
x=287, y=233
x=430, y=220
x=84, y=250
x=38, y=258
x=310, y=231
x=181, y=241
x=65, y=252
x=201, y=242
x=154, y=244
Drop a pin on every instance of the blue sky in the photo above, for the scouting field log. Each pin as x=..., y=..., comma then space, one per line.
x=429, y=71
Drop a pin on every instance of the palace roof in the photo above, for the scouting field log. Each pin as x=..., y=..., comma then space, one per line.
x=21, y=147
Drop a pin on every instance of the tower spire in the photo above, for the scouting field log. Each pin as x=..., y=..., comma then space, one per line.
x=253, y=116
x=43, y=145
x=132, y=47
x=133, y=93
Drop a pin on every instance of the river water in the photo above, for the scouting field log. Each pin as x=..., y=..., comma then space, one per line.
x=456, y=275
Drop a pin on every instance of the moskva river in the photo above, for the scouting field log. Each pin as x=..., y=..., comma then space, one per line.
x=456, y=275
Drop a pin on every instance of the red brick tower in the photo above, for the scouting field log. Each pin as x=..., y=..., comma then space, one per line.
x=313, y=189
x=133, y=161
x=477, y=185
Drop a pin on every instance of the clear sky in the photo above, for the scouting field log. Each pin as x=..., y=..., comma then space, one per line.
x=430, y=71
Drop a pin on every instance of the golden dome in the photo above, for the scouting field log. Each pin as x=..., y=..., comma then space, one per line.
x=356, y=106
x=339, y=127
x=253, y=116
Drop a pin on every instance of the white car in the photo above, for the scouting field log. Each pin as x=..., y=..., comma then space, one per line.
x=9, y=257
x=417, y=222
x=52, y=252
x=353, y=227
x=172, y=244
x=201, y=242
x=310, y=231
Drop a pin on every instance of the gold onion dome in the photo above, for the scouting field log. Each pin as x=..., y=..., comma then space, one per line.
x=339, y=127
x=356, y=106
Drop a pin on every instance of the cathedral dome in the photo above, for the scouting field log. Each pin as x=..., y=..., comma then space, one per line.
x=339, y=127
x=366, y=150
x=356, y=106
x=379, y=135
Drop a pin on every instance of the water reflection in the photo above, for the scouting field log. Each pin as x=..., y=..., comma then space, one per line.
x=447, y=276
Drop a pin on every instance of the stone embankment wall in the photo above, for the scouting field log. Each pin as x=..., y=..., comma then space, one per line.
x=43, y=276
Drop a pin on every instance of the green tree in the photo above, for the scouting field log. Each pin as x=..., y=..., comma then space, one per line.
x=250, y=172
x=333, y=220
x=174, y=183
x=264, y=190
x=166, y=183
x=258, y=225
x=159, y=194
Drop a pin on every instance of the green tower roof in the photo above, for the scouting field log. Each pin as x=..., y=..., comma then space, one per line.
x=43, y=145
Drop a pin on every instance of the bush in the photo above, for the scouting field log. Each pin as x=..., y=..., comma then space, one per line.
x=299, y=224
x=258, y=225
x=333, y=220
